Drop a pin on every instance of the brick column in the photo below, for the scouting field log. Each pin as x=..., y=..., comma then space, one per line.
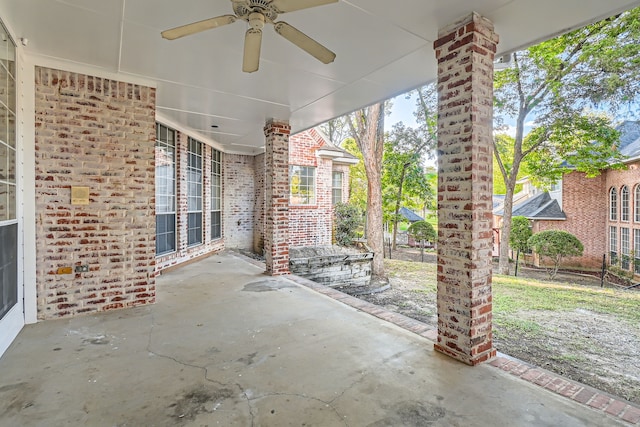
x=465, y=52
x=276, y=239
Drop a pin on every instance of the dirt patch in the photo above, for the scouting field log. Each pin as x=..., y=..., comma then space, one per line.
x=596, y=349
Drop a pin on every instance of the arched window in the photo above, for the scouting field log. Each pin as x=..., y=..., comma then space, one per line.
x=624, y=202
x=636, y=199
x=613, y=204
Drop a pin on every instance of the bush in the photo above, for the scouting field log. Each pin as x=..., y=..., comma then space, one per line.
x=422, y=230
x=555, y=244
x=347, y=220
x=520, y=234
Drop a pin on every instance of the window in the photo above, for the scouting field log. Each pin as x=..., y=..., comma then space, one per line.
x=613, y=245
x=165, y=190
x=216, y=194
x=624, y=247
x=336, y=188
x=636, y=251
x=624, y=201
x=613, y=204
x=8, y=172
x=303, y=185
x=636, y=200
x=194, y=193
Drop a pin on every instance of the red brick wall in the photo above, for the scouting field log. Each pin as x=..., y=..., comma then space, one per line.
x=617, y=178
x=184, y=252
x=276, y=236
x=465, y=53
x=311, y=225
x=239, y=206
x=259, y=205
x=584, y=202
x=100, y=134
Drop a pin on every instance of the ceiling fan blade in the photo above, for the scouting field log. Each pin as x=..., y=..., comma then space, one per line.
x=252, y=43
x=304, y=42
x=196, y=27
x=292, y=5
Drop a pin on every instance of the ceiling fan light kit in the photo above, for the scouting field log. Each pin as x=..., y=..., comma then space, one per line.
x=256, y=13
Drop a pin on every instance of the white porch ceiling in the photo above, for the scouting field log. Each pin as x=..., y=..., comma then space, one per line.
x=383, y=48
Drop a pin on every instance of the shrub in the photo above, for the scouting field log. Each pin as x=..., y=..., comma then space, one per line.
x=422, y=230
x=347, y=220
x=555, y=244
x=520, y=234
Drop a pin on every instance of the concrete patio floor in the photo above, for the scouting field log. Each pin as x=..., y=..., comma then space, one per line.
x=227, y=345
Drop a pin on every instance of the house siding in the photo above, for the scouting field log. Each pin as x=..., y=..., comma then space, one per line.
x=97, y=133
x=586, y=213
x=312, y=225
x=616, y=179
x=240, y=185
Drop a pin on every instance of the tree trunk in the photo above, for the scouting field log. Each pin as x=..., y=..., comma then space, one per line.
x=368, y=131
x=505, y=231
x=395, y=218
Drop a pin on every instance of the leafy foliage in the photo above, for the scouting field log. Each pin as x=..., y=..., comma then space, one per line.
x=347, y=221
x=555, y=244
x=520, y=234
x=557, y=82
x=422, y=230
x=357, y=176
x=405, y=181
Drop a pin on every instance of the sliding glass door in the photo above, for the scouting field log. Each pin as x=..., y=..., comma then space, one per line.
x=11, y=307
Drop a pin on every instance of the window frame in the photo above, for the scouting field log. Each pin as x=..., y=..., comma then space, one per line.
x=298, y=198
x=195, y=183
x=624, y=203
x=636, y=203
x=216, y=194
x=613, y=204
x=11, y=292
x=335, y=189
x=624, y=248
x=636, y=250
x=170, y=216
x=613, y=245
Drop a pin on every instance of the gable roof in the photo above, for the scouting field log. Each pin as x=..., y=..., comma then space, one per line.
x=410, y=215
x=541, y=206
x=629, y=138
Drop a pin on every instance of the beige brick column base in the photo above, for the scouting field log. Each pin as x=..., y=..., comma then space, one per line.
x=465, y=52
x=276, y=239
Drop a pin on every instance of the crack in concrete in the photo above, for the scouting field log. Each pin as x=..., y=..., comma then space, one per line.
x=356, y=382
x=248, y=399
x=243, y=392
x=302, y=396
x=204, y=369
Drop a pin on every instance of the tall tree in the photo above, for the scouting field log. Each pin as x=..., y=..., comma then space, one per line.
x=357, y=176
x=337, y=130
x=404, y=174
x=553, y=84
x=367, y=128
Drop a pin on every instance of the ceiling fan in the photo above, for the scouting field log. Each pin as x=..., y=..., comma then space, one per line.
x=257, y=13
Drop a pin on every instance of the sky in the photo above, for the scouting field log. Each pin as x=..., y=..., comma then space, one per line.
x=401, y=111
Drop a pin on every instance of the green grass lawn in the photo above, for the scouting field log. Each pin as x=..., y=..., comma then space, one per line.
x=514, y=294
x=586, y=333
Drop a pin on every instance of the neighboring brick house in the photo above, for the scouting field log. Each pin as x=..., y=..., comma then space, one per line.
x=319, y=174
x=603, y=212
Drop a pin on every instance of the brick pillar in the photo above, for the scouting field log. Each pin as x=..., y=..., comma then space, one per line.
x=276, y=239
x=465, y=52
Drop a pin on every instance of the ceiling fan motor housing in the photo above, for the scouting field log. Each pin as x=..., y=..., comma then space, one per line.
x=244, y=9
